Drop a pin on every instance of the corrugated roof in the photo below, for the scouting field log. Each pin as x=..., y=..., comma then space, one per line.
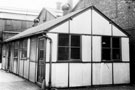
x=48, y=25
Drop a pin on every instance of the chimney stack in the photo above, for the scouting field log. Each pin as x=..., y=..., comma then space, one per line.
x=58, y=5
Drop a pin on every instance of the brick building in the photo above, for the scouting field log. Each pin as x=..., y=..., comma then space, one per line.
x=14, y=21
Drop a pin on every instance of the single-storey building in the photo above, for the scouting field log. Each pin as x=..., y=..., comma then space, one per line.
x=83, y=48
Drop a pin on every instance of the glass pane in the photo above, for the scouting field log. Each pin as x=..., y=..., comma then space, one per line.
x=106, y=41
x=63, y=40
x=15, y=53
x=63, y=53
x=116, y=54
x=25, y=44
x=16, y=45
x=106, y=54
x=75, y=40
x=8, y=25
x=33, y=49
x=41, y=43
x=24, y=53
x=75, y=53
x=116, y=42
x=20, y=44
x=41, y=54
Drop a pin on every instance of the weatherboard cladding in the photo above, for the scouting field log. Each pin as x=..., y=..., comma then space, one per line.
x=45, y=27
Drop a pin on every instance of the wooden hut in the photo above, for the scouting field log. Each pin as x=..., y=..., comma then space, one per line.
x=83, y=48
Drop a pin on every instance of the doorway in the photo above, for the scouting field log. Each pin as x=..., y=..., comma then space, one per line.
x=41, y=60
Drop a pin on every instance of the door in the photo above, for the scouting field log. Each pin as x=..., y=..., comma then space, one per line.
x=8, y=58
x=41, y=60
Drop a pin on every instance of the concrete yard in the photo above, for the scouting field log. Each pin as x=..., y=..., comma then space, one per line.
x=9, y=81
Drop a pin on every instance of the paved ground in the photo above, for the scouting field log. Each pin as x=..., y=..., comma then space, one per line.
x=124, y=87
x=10, y=81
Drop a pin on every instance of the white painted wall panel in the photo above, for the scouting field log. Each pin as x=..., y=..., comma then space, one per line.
x=21, y=68
x=86, y=48
x=32, y=72
x=47, y=74
x=26, y=68
x=60, y=75
x=125, y=49
x=26, y=62
x=36, y=71
x=121, y=73
x=14, y=66
x=80, y=75
x=117, y=32
x=100, y=25
x=102, y=73
x=3, y=62
x=81, y=24
x=54, y=38
x=96, y=48
x=62, y=28
x=11, y=59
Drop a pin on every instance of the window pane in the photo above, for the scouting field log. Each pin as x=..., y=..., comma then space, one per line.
x=75, y=53
x=41, y=54
x=41, y=44
x=75, y=40
x=116, y=54
x=63, y=53
x=16, y=53
x=24, y=53
x=33, y=49
x=106, y=54
x=63, y=40
x=16, y=45
x=106, y=41
x=116, y=42
x=25, y=44
x=20, y=45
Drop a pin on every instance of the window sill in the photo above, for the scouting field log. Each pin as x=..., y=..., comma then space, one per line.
x=24, y=58
x=69, y=61
x=107, y=61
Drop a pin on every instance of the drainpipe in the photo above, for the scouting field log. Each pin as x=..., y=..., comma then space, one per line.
x=50, y=60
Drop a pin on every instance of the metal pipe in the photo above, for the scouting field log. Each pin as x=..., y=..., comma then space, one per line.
x=50, y=60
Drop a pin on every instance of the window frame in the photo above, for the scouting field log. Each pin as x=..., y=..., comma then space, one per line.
x=41, y=49
x=16, y=48
x=69, y=46
x=23, y=49
x=111, y=49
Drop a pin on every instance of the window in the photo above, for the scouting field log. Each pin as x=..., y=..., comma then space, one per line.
x=68, y=47
x=16, y=47
x=111, y=48
x=41, y=49
x=23, y=48
x=8, y=25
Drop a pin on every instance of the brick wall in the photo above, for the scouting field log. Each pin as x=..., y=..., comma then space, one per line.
x=121, y=12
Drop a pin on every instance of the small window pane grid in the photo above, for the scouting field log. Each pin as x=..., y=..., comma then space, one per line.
x=23, y=49
x=41, y=49
x=68, y=47
x=111, y=48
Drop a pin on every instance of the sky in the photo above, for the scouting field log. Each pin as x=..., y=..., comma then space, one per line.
x=30, y=4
